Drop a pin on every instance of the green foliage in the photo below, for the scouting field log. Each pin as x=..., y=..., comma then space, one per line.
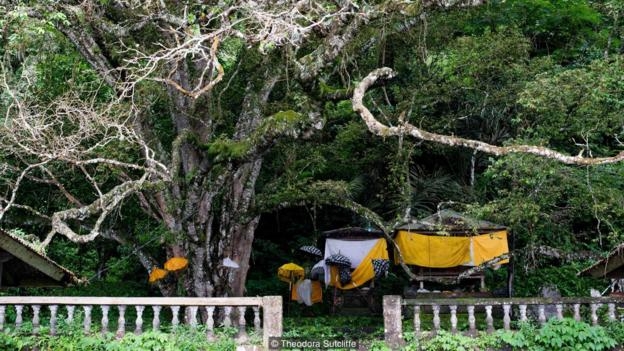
x=583, y=105
x=446, y=341
x=565, y=334
x=564, y=29
x=564, y=277
x=73, y=339
x=616, y=331
x=223, y=149
x=546, y=203
x=379, y=346
x=360, y=328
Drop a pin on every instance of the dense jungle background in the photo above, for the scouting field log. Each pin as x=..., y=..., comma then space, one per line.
x=118, y=153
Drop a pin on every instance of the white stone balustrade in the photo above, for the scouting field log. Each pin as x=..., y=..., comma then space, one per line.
x=503, y=313
x=232, y=310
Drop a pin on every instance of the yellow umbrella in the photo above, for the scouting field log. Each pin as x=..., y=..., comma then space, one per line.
x=176, y=263
x=157, y=274
x=290, y=272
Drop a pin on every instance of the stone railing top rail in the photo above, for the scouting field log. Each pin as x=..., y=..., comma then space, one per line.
x=510, y=301
x=131, y=301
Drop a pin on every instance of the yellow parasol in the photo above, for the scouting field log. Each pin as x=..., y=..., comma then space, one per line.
x=157, y=274
x=290, y=272
x=176, y=264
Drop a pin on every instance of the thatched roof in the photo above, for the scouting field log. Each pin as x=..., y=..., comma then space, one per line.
x=21, y=265
x=451, y=222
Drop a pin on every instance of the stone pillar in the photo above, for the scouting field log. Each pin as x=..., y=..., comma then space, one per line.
x=393, y=328
x=271, y=318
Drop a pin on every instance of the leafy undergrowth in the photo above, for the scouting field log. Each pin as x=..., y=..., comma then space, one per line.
x=73, y=339
x=348, y=327
x=564, y=335
x=365, y=330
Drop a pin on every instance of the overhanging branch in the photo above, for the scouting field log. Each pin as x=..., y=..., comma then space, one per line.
x=406, y=128
x=102, y=207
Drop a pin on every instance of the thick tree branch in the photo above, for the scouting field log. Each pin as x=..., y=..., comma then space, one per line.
x=406, y=128
x=92, y=53
x=120, y=31
x=487, y=264
x=103, y=206
x=558, y=254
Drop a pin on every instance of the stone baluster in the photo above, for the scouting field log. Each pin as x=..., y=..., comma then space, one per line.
x=453, y=309
x=192, y=318
x=210, y=322
x=87, y=318
x=121, y=321
x=417, y=320
x=175, y=321
x=242, y=324
x=257, y=323
x=472, y=321
x=53, y=312
x=436, y=318
x=594, y=313
x=105, y=309
x=35, y=320
x=138, y=323
x=2, y=317
x=577, y=312
x=507, y=316
x=559, y=308
x=489, y=321
x=186, y=315
x=541, y=314
x=523, y=313
x=18, y=316
x=156, y=320
x=227, y=319
x=611, y=312
x=70, y=314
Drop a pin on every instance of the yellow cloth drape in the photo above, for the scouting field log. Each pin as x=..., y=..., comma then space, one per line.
x=316, y=295
x=437, y=251
x=487, y=246
x=364, y=272
x=433, y=250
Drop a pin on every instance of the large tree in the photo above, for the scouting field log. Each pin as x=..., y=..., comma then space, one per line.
x=187, y=100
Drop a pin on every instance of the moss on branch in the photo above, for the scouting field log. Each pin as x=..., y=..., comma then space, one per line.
x=282, y=123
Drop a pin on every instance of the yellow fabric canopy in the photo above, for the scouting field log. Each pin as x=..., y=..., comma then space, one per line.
x=487, y=246
x=290, y=272
x=437, y=251
x=364, y=272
